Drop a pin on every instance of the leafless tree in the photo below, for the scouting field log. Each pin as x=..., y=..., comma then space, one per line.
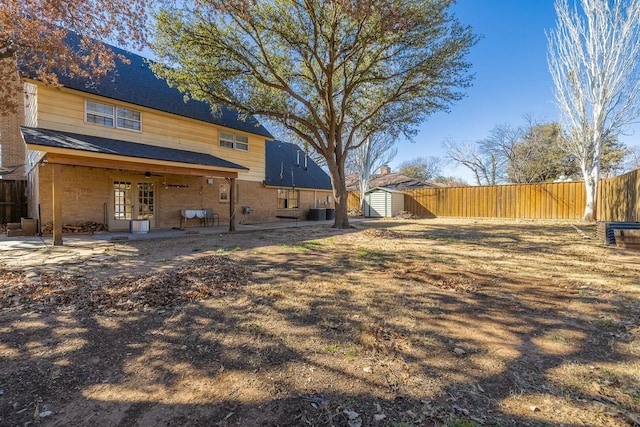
x=633, y=160
x=594, y=61
x=374, y=152
x=484, y=165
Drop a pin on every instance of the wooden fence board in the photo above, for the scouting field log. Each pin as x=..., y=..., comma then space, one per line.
x=618, y=200
x=13, y=202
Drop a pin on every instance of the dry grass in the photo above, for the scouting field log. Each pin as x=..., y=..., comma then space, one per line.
x=397, y=323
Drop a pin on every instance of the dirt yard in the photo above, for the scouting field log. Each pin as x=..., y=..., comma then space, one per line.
x=434, y=322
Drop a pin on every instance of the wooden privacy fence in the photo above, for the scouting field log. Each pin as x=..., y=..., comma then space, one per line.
x=13, y=201
x=353, y=200
x=619, y=198
x=561, y=200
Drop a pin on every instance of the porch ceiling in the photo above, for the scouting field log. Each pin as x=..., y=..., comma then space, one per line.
x=85, y=150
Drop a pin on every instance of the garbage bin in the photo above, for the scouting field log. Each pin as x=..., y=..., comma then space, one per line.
x=139, y=226
x=331, y=213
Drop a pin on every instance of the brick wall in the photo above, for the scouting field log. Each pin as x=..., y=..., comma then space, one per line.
x=88, y=190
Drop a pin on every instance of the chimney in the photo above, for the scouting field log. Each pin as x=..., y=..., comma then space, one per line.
x=385, y=170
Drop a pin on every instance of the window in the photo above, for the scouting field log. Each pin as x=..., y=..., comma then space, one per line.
x=128, y=119
x=230, y=140
x=145, y=200
x=100, y=114
x=122, y=200
x=224, y=193
x=108, y=115
x=287, y=199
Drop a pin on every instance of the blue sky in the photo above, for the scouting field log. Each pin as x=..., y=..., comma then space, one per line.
x=511, y=78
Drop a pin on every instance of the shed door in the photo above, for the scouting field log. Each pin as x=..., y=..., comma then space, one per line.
x=378, y=202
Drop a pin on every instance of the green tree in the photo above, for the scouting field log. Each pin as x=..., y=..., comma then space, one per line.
x=333, y=72
x=450, y=181
x=538, y=155
x=421, y=168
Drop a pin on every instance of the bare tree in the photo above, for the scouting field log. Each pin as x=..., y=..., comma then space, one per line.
x=594, y=60
x=374, y=152
x=633, y=160
x=500, y=149
x=484, y=165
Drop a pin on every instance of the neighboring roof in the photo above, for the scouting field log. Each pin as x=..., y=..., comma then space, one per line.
x=94, y=144
x=389, y=180
x=135, y=83
x=285, y=168
x=387, y=190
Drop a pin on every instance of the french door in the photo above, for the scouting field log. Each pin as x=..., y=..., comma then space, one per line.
x=132, y=199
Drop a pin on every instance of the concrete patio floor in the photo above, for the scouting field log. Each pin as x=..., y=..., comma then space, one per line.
x=85, y=239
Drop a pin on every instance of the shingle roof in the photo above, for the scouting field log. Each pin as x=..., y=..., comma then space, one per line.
x=94, y=144
x=285, y=168
x=390, y=180
x=135, y=83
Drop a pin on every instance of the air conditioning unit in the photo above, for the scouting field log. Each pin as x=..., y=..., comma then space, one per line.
x=605, y=231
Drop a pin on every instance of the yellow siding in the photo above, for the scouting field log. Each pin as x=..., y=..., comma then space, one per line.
x=63, y=110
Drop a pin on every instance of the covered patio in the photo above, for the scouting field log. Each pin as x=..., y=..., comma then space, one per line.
x=82, y=177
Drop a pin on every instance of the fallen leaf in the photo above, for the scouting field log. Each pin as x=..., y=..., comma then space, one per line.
x=351, y=414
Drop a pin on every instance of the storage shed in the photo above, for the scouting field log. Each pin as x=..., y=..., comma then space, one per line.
x=383, y=202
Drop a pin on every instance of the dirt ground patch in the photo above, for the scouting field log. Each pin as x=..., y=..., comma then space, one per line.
x=394, y=323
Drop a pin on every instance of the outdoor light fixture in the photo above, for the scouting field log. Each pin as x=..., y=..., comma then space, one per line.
x=147, y=174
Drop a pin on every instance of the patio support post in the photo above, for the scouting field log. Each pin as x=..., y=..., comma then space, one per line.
x=56, y=188
x=232, y=204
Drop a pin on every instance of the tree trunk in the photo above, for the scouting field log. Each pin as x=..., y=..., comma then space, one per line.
x=342, y=215
x=590, y=174
x=339, y=194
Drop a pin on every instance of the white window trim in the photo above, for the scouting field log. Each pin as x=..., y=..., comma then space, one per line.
x=113, y=116
x=233, y=142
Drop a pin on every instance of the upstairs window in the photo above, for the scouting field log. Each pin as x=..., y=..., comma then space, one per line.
x=230, y=140
x=99, y=114
x=111, y=116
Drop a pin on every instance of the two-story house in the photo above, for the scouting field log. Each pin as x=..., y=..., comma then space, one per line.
x=129, y=147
